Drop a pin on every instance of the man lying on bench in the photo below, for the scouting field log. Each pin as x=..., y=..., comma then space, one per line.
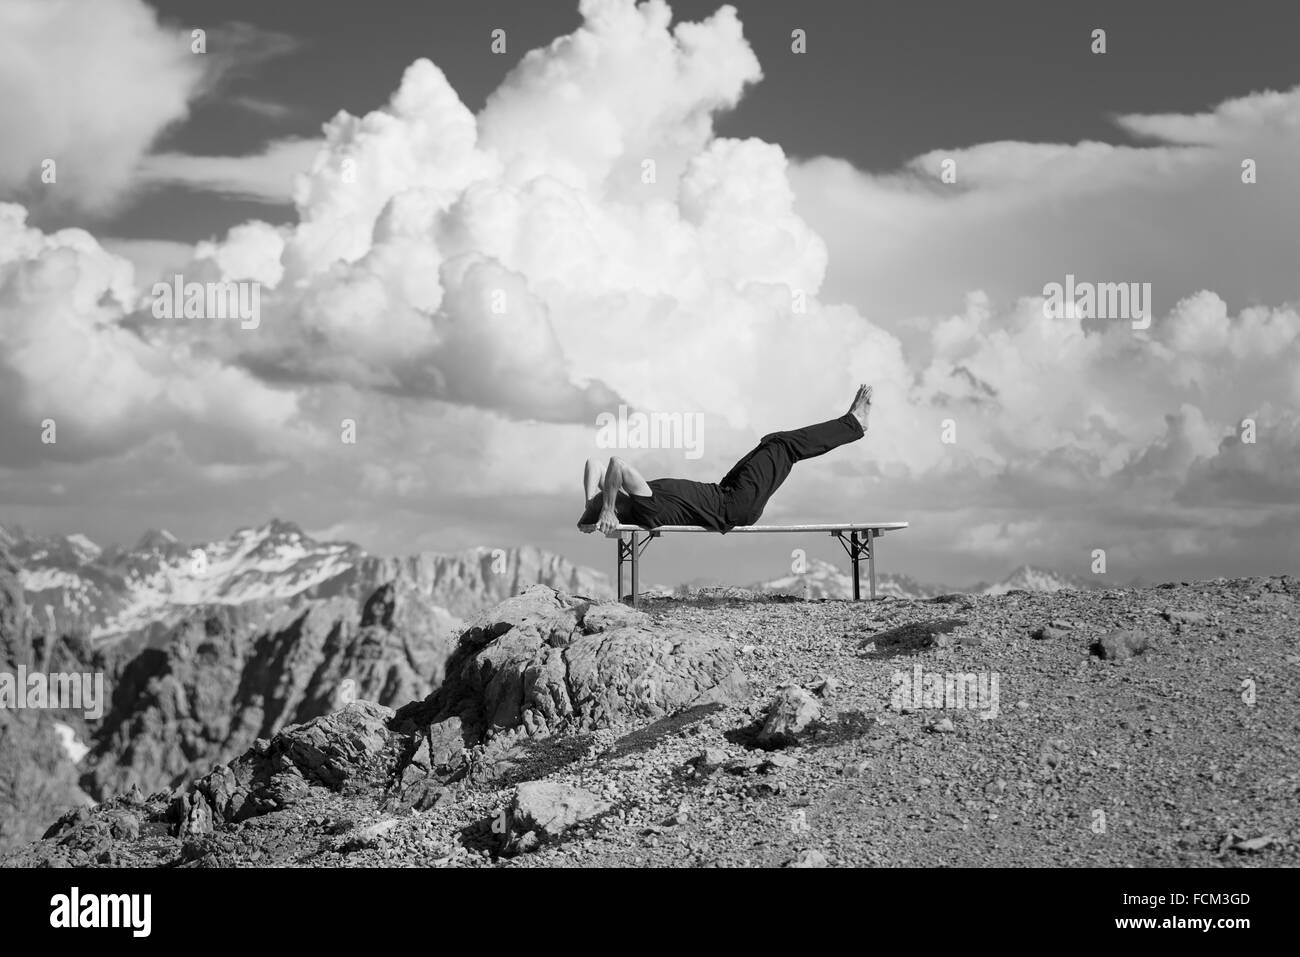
x=622, y=496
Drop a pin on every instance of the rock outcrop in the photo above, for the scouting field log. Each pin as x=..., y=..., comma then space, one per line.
x=546, y=659
x=349, y=746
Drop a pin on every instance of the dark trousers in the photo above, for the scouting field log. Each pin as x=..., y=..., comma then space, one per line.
x=752, y=480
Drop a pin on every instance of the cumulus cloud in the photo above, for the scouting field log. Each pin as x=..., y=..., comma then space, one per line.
x=1173, y=212
x=473, y=290
x=93, y=84
x=67, y=356
x=507, y=260
x=94, y=129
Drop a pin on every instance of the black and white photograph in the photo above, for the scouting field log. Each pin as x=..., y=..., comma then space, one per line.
x=502, y=435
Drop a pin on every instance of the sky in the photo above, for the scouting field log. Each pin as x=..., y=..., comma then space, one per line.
x=471, y=254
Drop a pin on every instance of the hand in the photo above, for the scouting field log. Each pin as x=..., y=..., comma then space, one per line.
x=607, y=522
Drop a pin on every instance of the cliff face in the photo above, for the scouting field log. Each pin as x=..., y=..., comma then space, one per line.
x=227, y=676
x=37, y=777
x=468, y=582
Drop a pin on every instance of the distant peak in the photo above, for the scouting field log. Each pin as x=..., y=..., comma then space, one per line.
x=155, y=538
x=276, y=530
x=281, y=528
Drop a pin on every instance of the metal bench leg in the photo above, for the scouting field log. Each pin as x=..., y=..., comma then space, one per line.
x=636, y=565
x=855, y=551
x=618, y=595
x=871, y=559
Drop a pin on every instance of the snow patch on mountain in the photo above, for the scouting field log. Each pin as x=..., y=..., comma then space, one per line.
x=70, y=743
x=46, y=579
x=73, y=586
x=1033, y=579
x=84, y=547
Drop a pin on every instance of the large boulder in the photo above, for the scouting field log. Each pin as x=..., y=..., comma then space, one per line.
x=789, y=714
x=646, y=673
x=544, y=660
x=546, y=809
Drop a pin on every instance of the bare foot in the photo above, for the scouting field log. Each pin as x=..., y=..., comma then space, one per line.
x=861, y=407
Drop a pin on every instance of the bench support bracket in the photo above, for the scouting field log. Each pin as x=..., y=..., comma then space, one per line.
x=629, y=551
x=859, y=545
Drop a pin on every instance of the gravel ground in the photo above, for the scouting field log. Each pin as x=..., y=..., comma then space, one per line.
x=1185, y=754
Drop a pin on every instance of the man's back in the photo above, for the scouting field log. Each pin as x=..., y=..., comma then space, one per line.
x=683, y=502
x=672, y=502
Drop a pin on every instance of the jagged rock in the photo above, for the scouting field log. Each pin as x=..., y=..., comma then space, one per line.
x=498, y=757
x=1183, y=617
x=548, y=808
x=425, y=795
x=93, y=833
x=826, y=686
x=193, y=815
x=1120, y=644
x=442, y=746
x=352, y=743
x=791, y=712
x=537, y=662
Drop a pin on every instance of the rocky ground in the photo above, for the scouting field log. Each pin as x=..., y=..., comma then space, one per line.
x=1132, y=727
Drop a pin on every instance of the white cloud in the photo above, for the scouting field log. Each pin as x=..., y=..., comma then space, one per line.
x=67, y=356
x=90, y=84
x=1174, y=212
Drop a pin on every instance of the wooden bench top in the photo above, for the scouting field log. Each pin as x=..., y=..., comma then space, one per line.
x=834, y=527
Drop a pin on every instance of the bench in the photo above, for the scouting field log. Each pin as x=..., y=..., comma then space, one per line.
x=858, y=539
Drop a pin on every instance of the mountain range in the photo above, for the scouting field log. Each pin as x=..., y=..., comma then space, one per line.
x=137, y=595
x=823, y=579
